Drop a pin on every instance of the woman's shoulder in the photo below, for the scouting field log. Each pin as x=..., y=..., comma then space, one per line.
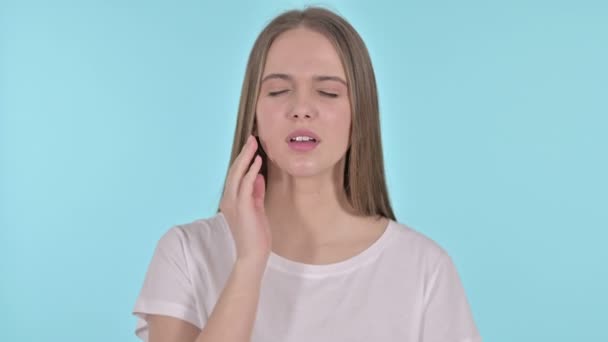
x=412, y=242
x=206, y=232
x=205, y=225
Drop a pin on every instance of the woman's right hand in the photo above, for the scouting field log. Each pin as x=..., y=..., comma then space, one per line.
x=242, y=204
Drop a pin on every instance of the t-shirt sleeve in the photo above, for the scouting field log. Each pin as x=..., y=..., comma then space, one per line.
x=167, y=289
x=447, y=316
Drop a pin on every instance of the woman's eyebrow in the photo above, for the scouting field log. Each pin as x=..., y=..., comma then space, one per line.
x=329, y=78
x=315, y=78
x=279, y=76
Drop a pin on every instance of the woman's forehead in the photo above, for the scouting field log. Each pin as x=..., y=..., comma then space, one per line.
x=303, y=52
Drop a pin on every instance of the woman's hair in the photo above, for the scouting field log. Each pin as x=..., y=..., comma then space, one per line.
x=364, y=181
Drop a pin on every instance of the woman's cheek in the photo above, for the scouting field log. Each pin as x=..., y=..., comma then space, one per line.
x=278, y=107
x=268, y=130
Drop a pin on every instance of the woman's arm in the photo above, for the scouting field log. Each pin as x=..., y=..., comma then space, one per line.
x=232, y=317
x=170, y=329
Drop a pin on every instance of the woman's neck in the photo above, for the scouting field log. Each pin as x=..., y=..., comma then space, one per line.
x=312, y=208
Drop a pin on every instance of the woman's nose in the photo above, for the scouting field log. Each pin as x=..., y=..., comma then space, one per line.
x=303, y=107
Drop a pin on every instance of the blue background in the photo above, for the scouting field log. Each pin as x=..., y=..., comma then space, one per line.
x=116, y=122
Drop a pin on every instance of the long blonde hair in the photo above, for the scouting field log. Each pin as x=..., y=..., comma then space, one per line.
x=364, y=181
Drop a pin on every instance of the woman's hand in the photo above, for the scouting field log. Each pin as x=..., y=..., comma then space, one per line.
x=243, y=206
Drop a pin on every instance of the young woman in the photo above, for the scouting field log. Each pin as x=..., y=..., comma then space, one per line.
x=305, y=245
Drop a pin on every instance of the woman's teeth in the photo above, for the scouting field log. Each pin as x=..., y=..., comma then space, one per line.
x=303, y=139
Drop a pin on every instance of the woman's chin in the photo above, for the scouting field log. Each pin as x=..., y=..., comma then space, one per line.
x=299, y=170
x=300, y=167
x=303, y=170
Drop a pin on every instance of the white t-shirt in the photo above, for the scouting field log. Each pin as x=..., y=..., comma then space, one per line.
x=404, y=287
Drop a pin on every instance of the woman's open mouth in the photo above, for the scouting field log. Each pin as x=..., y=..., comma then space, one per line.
x=303, y=140
x=302, y=145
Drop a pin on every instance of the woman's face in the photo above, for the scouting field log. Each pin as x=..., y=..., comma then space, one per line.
x=303, y=87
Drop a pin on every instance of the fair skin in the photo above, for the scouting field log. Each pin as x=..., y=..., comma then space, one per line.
x=304, y=86
x=300, y=212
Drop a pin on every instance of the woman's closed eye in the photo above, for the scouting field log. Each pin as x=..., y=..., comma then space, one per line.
x=328, y=94
x=278, y=92
x=322, y=92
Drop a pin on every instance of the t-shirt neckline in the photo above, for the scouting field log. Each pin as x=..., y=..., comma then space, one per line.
x=369, y=254
x=279, y=263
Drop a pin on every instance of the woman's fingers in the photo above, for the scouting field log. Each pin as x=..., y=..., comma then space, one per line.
x=239, y=167
x=246, y=187
x=259, y=191
x=243, y=204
